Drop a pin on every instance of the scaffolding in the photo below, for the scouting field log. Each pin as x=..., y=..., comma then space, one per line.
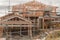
x=36, y=30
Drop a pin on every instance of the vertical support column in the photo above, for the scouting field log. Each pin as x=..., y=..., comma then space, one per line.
x=43, y=23
x=1, y=31
x=30, y=31
x=20, y=31
x=28, y=27
x=37, y=24
x=7, y=33
x=10, y=32
x=54, y=23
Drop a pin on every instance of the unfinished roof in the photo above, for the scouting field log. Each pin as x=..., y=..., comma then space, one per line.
x=5, y=19
x=34, y=5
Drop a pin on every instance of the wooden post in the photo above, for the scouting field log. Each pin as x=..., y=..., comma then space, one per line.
x=20, y=31
x=43, y=23
x=7, y=33
x=1, y=31
x=30, y=32
x=37, y=23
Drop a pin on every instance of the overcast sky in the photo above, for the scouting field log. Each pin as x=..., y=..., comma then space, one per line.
x=4, y=4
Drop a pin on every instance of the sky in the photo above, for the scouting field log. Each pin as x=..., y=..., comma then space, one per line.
x=4, y=4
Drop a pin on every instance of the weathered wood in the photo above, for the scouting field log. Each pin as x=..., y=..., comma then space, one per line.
x=1, y=31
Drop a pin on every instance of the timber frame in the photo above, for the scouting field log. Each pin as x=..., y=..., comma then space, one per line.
x=33, y=17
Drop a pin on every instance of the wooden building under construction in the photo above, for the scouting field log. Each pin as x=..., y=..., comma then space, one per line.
x=27, y=19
